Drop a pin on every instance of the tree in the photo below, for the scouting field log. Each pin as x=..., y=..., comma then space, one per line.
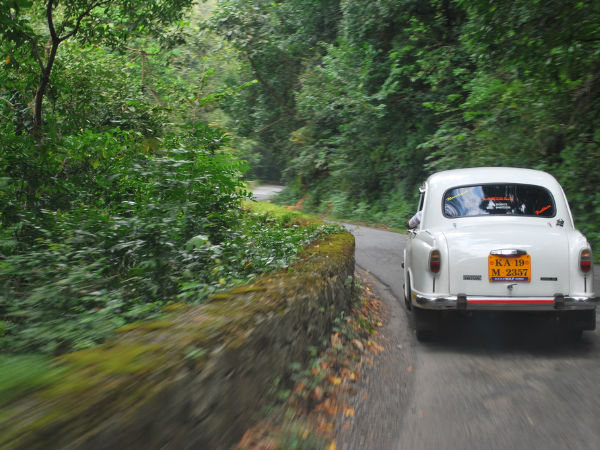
x=275, y=41
x=368, y=102
x=43, y=25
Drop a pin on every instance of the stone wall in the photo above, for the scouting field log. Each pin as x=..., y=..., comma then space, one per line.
x=194, y=379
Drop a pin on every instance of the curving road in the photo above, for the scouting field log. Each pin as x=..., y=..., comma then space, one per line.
x=493, y=382
x=266, y=191
x=487, y=382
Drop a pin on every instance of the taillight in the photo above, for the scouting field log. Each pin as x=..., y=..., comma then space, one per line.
x=585, y=260
x=435, y=261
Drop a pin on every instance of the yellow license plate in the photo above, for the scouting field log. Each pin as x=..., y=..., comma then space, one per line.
x=509, y=268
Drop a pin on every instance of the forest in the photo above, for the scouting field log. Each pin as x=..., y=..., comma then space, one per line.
x=358, y=101
x=129, y=131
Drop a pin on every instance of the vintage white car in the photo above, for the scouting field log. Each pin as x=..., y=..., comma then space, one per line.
x=497, y=238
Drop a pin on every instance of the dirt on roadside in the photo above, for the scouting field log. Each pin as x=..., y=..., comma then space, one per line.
x=384, y=389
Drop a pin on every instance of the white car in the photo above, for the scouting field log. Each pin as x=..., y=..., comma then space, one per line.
x=497, y=238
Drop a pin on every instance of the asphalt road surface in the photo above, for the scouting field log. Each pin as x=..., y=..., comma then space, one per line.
x=505, y=381
x=265, y=192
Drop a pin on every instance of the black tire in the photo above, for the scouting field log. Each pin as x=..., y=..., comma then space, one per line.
x=407, y=293
x=574, y=335
x=574, y=323
x=426, y=324
x=578, y=320
x=425, y=335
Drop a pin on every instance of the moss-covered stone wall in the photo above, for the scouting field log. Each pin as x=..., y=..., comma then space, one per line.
x=197, y=377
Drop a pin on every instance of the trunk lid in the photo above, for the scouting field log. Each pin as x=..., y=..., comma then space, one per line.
x=469, y=249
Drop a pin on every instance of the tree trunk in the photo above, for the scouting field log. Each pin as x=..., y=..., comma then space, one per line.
x=43, y=86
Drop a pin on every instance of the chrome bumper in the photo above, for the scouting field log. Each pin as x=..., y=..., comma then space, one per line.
x=462, y=302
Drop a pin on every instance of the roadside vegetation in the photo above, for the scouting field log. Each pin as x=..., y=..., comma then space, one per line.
x=118, y=198
x=358, y=102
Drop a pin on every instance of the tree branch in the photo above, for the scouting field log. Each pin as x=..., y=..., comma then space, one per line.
x=270, y=124
x=36, y=53
x=50, y=20
x=7, y=101
x=84, y=14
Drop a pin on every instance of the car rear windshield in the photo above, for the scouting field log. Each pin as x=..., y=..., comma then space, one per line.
x=498, y=199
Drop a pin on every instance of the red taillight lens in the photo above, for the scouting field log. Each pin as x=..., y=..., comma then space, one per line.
x=585, y=260
x=435, y=261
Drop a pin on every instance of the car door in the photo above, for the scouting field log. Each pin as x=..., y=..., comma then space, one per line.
x=408, y=251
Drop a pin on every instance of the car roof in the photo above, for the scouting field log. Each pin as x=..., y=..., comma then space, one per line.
x=438, y=183
x=483, y=175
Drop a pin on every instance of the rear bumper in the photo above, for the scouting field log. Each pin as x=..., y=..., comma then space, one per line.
x=461, y=302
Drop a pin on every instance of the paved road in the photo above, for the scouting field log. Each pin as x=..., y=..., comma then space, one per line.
x=265, y=192
x=493, y=382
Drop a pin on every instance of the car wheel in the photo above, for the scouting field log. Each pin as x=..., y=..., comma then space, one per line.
x=425, y=335
x=426, y=323
x=573, y=323
x=407, y=293
x=578, y=320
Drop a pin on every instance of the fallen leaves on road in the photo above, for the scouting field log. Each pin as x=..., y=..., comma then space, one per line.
x=329, y=407
x=306, y=418
x=374, y=347
x=359, y=346
x=334, y=380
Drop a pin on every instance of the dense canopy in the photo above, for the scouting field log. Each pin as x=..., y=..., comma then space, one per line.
x=357, y=102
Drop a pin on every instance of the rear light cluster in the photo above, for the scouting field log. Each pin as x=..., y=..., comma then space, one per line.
x=585, y=260
x=435, y=261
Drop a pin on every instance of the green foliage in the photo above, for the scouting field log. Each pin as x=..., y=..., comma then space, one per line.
x=125, y=201
x=91, y=228
x=94, y=88
x=34, y=31
x=133, y=233
x=406, y=88
x=275, y=42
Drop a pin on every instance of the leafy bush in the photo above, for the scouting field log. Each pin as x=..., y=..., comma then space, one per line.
x=100, y=232
x=107, y=271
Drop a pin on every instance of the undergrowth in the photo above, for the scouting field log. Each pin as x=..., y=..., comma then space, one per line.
x=392, y=211
x=73, y=291
x=103, y=231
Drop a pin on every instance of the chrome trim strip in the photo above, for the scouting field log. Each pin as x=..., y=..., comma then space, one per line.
x=508, y=252
x=505, y=303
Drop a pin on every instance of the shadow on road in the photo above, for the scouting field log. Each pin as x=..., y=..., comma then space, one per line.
x=502, y=332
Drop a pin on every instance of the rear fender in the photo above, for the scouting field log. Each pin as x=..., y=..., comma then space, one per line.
x=581, y=284
x=422, y=279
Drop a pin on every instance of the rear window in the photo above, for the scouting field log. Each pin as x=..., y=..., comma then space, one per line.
x=498, y=199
